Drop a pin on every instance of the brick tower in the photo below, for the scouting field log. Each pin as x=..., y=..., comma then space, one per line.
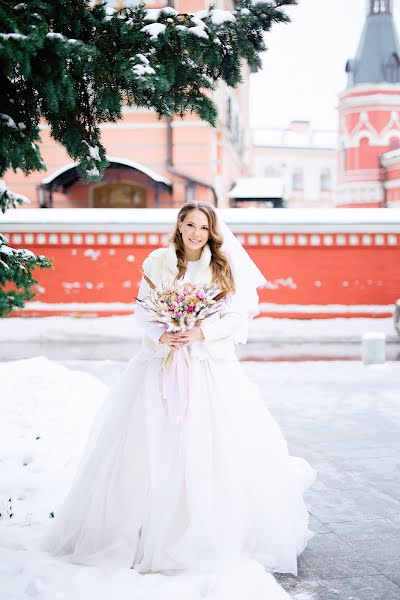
x=369, y=110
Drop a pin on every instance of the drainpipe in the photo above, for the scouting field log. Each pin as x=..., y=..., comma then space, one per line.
x=192, y=182
x=383, y=179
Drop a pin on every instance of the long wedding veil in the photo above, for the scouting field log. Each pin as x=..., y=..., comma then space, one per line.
x=247, y=276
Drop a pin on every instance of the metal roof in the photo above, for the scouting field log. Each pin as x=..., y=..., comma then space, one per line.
x=379, y=42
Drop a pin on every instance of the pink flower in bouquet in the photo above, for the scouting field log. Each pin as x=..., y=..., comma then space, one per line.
x=190, y=308
x=200, y=295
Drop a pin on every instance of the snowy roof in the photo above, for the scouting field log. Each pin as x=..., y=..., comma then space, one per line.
x=287, y=138
x=111, y=159
x=257, y=187
x=240, y=219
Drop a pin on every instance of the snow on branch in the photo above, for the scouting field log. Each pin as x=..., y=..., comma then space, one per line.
x=9, y=199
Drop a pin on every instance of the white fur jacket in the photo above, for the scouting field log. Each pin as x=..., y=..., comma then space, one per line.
x=161, y=266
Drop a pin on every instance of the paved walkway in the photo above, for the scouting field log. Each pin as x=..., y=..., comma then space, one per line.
x=352, y=438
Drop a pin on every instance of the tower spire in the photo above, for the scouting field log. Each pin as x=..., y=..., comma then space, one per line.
x=378, y=55
x=377, y=7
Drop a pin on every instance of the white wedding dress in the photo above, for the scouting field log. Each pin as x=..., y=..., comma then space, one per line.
x=200, y=494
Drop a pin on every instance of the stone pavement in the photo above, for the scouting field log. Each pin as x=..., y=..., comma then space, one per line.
x=344, y=419
x=353, y=441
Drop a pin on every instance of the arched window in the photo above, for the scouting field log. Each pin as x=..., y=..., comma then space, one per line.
x=380, y=6
x=392, y=69
x=297, y=180
x=119, y=195
x=325, y=180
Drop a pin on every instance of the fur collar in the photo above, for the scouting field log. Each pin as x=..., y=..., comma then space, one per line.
x=203, y=265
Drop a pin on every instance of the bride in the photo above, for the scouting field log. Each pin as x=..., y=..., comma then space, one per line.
x=208, y=487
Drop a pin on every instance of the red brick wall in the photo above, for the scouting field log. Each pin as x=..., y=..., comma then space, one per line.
x=310, y=268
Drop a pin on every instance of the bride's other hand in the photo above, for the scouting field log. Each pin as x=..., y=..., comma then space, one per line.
x=174, y=340
x=190, y=336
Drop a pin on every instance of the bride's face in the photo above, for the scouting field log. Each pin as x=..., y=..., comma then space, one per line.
x=195, y=230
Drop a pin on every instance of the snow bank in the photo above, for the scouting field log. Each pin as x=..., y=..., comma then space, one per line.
x=123, y=327
x=46, y=413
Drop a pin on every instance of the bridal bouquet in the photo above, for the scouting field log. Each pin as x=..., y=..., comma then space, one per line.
x=179, y=307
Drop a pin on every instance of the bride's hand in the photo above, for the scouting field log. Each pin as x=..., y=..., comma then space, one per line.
x=190, y=336
x=174, y=340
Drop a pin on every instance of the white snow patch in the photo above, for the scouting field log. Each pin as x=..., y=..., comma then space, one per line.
x=154, y=29
x=281, y=282
x=55, y=35
x=93, y=254
x=92, y=172
x=153, y=14
x=94, y=152
x=7, y=250
x=142, y=58
x=141, y=70
x=8, y=121
x=200, y=14
x=13, y=36
x=198, y=31
x=219, y=16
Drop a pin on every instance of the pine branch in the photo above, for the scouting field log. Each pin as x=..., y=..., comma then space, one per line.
x=76, y=65
x=16, y=278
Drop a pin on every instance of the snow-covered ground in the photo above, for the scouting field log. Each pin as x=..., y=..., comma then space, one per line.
x=118, y=338
x=46, y=410
x=124, y=327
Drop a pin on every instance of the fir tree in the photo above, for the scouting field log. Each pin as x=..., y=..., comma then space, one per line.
x=74, y=65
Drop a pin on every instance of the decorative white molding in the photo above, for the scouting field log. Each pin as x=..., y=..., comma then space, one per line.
x=122, y=240
x=391, y=158
x=391, y=184
x=370, y=101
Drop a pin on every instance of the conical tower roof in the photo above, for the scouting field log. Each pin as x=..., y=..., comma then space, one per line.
x=378, y=54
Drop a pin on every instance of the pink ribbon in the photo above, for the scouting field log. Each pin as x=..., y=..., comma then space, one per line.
x=175, y=385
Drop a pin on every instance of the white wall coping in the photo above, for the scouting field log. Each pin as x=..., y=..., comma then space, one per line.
x=246, y=219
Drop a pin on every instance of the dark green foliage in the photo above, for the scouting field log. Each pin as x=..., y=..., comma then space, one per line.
x=16, y=268
x=75, y=65
x=10, y=200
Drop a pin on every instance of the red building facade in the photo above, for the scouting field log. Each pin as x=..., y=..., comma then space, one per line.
x=369, y=113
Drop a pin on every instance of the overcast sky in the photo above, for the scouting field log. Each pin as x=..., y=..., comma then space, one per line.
x=303, y=69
